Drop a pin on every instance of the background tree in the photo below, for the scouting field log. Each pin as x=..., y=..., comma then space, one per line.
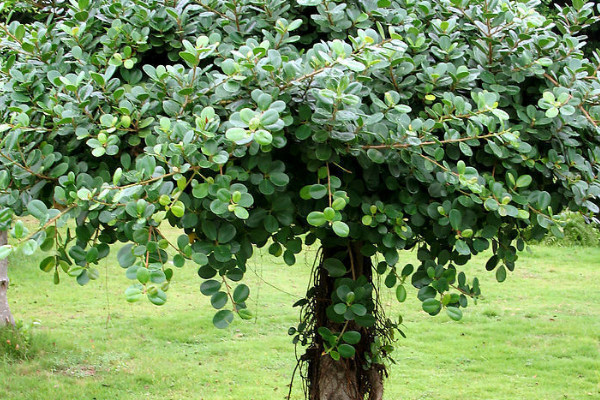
x=448, y=127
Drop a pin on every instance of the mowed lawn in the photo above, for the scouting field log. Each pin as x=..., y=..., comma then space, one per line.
x=535, y=336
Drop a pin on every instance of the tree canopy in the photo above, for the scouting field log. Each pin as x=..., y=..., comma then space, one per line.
x=450, y=127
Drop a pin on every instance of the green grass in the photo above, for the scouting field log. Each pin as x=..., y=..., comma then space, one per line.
x=536, y=336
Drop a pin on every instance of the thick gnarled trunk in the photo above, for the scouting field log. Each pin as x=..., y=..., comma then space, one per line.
x=6, y=317
x=346, y=379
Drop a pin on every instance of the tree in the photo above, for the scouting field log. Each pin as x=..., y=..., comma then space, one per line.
x=8, y=9
x=6, y=317
x=369, y=127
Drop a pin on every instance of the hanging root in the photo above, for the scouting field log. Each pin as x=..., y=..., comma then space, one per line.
x=364, y=373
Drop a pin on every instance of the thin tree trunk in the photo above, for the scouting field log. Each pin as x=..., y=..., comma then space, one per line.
x=6, y=317
x=346, y=379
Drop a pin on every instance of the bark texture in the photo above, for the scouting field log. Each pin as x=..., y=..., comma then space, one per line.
x=6, y=317
x=345, y=379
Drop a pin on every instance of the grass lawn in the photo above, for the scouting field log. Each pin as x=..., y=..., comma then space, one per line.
x=535, y=336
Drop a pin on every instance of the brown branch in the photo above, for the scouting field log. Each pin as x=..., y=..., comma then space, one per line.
x=333, y=64
x=48, y=223
x=429, y=143
x=25, y=168
x=438, y=164
x=352, y=268
x=219, y=13
x=328, y=184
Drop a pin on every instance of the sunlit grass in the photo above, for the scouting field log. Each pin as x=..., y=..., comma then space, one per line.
x=536, y=336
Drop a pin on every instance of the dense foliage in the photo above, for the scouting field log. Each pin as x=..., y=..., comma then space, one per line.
x=450, y=127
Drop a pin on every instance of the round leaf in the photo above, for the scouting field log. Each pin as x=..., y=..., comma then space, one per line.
x=222, y=319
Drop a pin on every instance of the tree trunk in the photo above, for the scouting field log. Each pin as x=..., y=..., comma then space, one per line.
x=347, y=378
x=6, y=317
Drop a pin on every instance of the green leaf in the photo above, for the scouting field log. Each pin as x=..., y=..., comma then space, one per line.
x=544, y=200
x=552, y=112
x=19, y=229
x=279, y=178
x=269, y=117
x=143, y=275
x=20, y=32
x=178, y=209
x=190, y=59
x=218, y=300
x=178, y=260
x=226, y=233
x=241, y=293
x=38, y=210
x=48, y=263
x=200, y=258
x=431, y=306
x=338, y=204
x=340, y=308
x=222, y=319
x=340, y=228
x=351, y=337
x=210, y=287
x=358, y=309
x=241, y=212
x=454, y=313
x=317, y=191
x=501, y=274
x=334, y=267
x=346, y=350
x=237, y=135
x=524, y=181
x=401, y=293
x=455, y=219
x=157, y=298
x=125, y=256
x=376, y=156
x=133, y=293
x=462, y=247
x=316, y=218
x=244, y=313
x=329, y=213
x=263, y=137
x=353, y=65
